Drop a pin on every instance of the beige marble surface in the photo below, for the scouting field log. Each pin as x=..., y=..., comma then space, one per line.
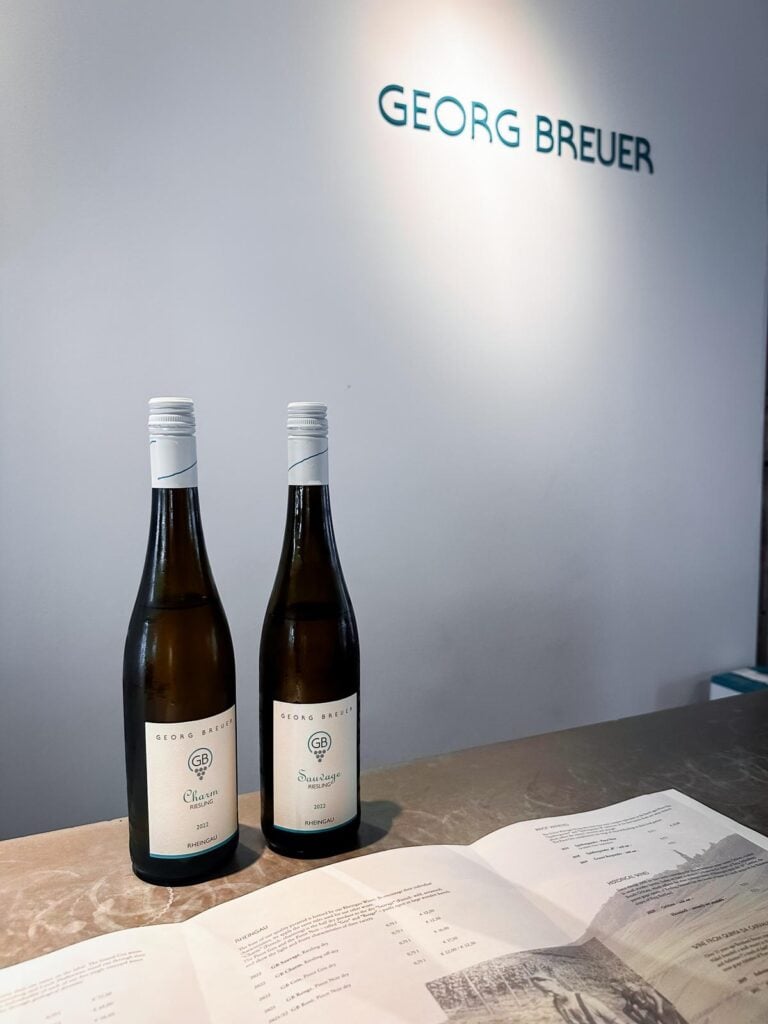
x=61, y=887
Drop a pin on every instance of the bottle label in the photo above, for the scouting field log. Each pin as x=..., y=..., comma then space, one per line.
x=308, y=460
x=191, y=784
x=315, y=764
x=173, y=461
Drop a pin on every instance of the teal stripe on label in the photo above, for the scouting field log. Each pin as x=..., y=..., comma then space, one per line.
x=197, y=853
x=313, y=831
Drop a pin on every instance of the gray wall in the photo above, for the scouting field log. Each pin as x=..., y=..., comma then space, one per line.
x=544, y=377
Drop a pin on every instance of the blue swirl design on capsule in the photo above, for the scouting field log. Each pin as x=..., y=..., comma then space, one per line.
x=307, y=458
x=180, y=471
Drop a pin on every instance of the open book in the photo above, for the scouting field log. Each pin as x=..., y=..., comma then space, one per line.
x=653, y=911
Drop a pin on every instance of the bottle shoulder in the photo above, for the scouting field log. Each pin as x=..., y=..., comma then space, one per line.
x=176, y=566
x=179, y=645
x=306, y=590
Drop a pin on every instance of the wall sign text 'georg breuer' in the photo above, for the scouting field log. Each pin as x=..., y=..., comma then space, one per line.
x=416, y=109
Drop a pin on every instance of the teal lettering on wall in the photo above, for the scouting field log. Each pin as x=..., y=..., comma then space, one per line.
x=401, y=115
x=480, y=122
x=545, y=140
x=450, y=131
x=557, y=137
x=504, y=129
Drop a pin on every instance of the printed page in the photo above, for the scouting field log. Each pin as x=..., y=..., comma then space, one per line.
x=142, y=974
x=653, y=911
x=361, y=941
x=666, y=906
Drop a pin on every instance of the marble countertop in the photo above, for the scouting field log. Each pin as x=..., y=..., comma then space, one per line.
x=57, y=888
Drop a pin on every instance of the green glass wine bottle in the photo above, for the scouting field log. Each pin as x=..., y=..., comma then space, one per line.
x=309, y=667
x=178, y=679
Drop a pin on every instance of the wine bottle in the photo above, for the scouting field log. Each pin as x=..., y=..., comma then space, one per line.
x=309, y=667
x=178, y=678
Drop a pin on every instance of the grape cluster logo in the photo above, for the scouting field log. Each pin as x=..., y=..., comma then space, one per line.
x=200, y=761
x=319, y=744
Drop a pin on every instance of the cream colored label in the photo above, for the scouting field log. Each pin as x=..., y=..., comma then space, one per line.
x=315, y=764
x=191, y=784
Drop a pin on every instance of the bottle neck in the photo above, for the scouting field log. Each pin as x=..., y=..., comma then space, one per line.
x=309, y=581
x=309, y=526
x=307, y=461
x=309, y=535
x=176, y=568
x=309, y=574
x=173, y=460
